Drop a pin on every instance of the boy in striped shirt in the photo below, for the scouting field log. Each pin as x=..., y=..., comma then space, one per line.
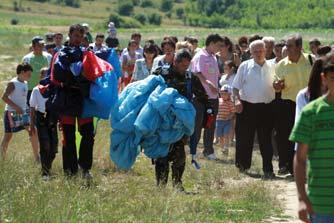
x=226, y=112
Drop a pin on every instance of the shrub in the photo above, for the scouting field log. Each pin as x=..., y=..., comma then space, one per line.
x=147, y=4
x=125, y=8
x=130, y=23
x=166, y=5
x=155, y=19
x=141, y=18
x=14, y=21
x=180, y=13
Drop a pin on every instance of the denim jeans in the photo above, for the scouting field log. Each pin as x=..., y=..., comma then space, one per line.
x=318, y=218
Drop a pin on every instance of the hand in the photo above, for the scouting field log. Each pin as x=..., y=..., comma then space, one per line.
x=32, y=129
x=279, y=85
x=212, y=87
x=18, y=110
x=238, y=107
x=304, y=210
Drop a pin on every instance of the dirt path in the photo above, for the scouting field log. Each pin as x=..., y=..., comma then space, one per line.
x=288, y=198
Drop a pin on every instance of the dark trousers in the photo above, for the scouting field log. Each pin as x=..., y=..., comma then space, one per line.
x=254, y=118
x=86, y=130
x=177, y=156
x=287, y=110
x=48, y=140
x=209, y=133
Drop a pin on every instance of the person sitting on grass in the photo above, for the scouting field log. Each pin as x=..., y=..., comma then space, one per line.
x=46, y=123
x=16, y=115
x=314, y=135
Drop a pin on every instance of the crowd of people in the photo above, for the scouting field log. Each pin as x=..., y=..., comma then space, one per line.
x=255, y=89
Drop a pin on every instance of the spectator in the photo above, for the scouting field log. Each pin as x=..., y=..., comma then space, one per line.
x=98, y=45
x=16, y=114
x=278, y=52
x=58, y=39
x=243, y=44
x=270, y=44
x=314, y=135
x=87, y=32
x=143, y=66
x=253, y=89
x=314, y=45
x=168, y=48
x=205, y=66
x=37, y=59
x=137, y=38
x=292, y=74
x=226, y=53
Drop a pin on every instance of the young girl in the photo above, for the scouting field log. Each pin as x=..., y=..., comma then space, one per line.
x=16, y=116
x=225, y=115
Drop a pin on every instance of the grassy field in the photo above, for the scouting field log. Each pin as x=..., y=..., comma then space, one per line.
x=217, y=193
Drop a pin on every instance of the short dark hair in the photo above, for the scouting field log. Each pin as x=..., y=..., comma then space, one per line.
x=132, y=41
x=280, y=43
x=315, y=41
x=99, y=35
x=182, y=54
x=242, y=40
x=76, y=27
x=167, y=41
x=227, y=41
x=23, y=67
x=254, y=37
x=191, y=40
x=150, y=48
x=112, y=42
x=213, y=38
x=298, y=39
x=173, y=38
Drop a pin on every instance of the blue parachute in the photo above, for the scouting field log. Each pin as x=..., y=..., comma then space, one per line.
x=151, y=116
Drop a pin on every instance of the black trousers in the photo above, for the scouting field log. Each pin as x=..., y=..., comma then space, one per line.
x=177, y=157
x=286, y=148
x=70, y=158
x=254, y=118
x=48, y=139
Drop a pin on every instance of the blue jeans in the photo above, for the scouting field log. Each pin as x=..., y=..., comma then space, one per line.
x=317, y=218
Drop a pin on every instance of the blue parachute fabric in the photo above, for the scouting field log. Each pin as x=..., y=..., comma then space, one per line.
x=102, y=97
x=150, y=115
x=113, y=59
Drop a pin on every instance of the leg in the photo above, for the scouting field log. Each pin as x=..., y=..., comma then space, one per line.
x=178, y=158
x=70, y=160
x=162, y=170
x=264, y=130
x=34, y=144
x=86, y=129
x=194, y=139
x=44, y=147
x=4, y=144
x=209, y=133
x=245, y=132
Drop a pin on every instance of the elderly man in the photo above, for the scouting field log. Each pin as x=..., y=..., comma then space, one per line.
x=253, y=87
x=292, y=74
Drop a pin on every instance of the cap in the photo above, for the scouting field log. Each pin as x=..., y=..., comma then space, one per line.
x=85, y=25
x=37, y=40
x=225, y=88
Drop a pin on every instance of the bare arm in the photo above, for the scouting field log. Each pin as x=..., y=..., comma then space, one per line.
x=5, y=97
x=299, y=166
x=207, y=82
x=32, y=120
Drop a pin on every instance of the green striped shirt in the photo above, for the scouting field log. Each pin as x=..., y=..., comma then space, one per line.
x=315, y=128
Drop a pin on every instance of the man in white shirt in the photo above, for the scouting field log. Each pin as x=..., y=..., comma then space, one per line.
x=253, y=87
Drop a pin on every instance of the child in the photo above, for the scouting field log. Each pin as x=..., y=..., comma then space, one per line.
x=46, y=123
x=16, y=116
x=226, y=112
x=314, y=134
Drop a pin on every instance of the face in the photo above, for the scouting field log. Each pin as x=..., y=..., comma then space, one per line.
x=292, y=49
x=227, y=69
x=182, y=66
x=278, y=51
x=137, y=39
x=133, y=47
x=38, y=48
x=328, y=79
x=58, y=39
x=314, y=48
x=225, y=95
x=149, y=56
x=99, y=41
x=76, y=38
x=26, y=75
x=168, y=49
x=244, y=47
x=258, y=52
x=216, y=47
x=269, y=48
x=223, y=48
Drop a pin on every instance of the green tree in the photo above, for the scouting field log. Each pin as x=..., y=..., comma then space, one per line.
x=166, y=5
x=125, y=8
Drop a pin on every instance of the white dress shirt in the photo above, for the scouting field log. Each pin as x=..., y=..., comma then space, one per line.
x=255, y=82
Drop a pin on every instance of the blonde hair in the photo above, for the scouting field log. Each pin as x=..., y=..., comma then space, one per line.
x=43, y=72
x=183, y=45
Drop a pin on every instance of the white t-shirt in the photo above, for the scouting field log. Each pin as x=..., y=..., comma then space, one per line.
x=255, y=82
x=37, y=101
x=19, y=95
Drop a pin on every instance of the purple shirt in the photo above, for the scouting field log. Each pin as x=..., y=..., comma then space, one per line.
x=206, y=63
